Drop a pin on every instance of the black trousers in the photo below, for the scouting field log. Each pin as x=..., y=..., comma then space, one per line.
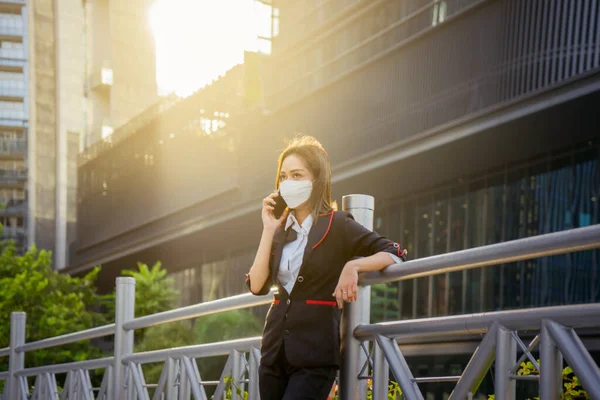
x=283, y=381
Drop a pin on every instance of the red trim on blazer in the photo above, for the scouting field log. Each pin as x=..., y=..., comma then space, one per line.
x=322, y=302
x=275, y=301
x=398, y=247
x=327, y=231
x=326, y=214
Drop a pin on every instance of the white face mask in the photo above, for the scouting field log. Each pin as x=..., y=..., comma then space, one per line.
x=295, y=192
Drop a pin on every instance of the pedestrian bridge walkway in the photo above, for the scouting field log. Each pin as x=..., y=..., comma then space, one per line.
x=371, y=351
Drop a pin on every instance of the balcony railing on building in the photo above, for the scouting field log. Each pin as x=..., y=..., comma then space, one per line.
x=11, y=146
x=14, y=175
x=12, y=206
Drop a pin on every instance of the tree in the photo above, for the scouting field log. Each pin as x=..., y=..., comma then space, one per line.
x=55, y=304
x=154, y=293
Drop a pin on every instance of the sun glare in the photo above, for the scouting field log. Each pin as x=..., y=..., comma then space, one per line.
x=198, y=40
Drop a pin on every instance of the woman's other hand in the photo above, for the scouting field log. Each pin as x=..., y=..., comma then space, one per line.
x=270, y=223
x=346, y=289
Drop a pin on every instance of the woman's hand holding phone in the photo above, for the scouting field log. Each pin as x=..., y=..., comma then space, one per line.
x=271, y=223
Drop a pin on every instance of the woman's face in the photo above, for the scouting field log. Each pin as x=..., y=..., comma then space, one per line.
x=293, y=167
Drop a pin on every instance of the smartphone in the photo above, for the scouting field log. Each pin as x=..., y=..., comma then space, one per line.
x=280, y=206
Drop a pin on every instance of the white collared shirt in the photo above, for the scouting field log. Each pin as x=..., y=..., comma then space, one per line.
x=293, y=252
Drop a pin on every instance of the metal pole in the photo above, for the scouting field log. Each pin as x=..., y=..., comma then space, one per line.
x=171, y=389
x=506, y=357
x=184, y=387
x=381, y=373
x=577, y=357
x=478, y=365
x=362, y=207
x=550, y=366
x=400, y=368
x=253, y=390
x=124, y=311
x=237, y=373
x=16, y=360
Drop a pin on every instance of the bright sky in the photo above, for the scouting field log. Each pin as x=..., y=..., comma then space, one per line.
x=198, y=40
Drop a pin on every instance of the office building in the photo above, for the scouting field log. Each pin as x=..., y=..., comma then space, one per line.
x=70, y=71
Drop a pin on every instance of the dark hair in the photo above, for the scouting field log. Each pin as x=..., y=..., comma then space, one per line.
x=317, y=161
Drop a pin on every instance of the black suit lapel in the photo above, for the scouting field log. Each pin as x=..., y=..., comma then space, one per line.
x=277, y=248
x=317, y=234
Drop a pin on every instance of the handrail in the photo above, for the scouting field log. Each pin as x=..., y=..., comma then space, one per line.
x=197, y=310
x=92, y=333
x=66, y=367
x=549, y=244
x=200, y=350
x=575, y=316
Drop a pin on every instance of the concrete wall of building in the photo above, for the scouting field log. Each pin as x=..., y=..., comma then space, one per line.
x=70, y=78
x=42, y=136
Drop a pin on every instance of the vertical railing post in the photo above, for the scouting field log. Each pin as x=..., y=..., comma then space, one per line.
x=381, y=374
x=171, y=389
x=551, y=363
x=362, y=207
x=16, y=359
x=124, y=311
x=506, y=357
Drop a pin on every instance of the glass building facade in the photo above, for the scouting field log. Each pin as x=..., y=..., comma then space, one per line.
x=549, y=194
x=13, y=120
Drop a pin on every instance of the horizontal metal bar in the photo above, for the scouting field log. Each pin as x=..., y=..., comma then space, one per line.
x=522, y=249
x=3, y=375
x=581, y=315
x=426, y=379
x=525, y=377
x=101, y=331
x=197, y=351
x=62, y=368
x=198, y=310
x=4, y=352
x=209, y=383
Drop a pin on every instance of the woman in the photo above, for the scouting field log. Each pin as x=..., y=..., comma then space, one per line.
x=312, y=253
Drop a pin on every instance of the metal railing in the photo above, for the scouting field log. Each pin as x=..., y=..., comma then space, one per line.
x=370, y=350
x=12, y=145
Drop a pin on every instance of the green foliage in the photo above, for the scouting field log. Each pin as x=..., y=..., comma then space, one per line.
x=573, y=389
x=55, y=304
x=228, y=325
x=154, y=291
x=384, y=301
x=231, y=388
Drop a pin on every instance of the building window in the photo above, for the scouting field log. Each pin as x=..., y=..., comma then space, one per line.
x=439, y=13
x=12, y=110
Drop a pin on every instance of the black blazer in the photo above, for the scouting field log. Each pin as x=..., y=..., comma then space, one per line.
x=307, y=322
